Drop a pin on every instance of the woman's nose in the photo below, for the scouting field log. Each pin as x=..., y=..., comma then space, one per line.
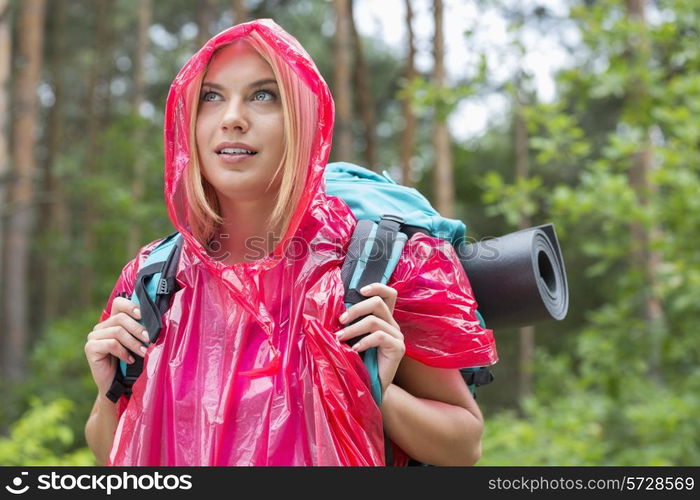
x=235, y=116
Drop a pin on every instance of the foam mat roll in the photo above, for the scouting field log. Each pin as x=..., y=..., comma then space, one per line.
x=518, y=279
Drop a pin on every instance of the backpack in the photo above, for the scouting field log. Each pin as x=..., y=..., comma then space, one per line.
x=388, y=215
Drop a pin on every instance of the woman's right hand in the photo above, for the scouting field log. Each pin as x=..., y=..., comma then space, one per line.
x=109, y=340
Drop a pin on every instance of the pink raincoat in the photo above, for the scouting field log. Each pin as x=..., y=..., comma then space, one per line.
x=246, y=370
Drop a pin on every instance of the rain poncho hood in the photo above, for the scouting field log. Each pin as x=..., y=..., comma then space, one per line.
x=247, y=370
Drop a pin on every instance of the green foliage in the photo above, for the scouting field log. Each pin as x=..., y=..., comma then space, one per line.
x=56, y=398
x=424, y=95
x=624, y=392
x=565, y=432
x=43, y=436
x=58, y=367
x=556, y=138
x=583, y=420
x=511, y=200
x=647, y=426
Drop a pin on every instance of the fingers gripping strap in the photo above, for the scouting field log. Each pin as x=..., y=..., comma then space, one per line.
x=150, y=319
x=155, y=285
x=352, y=296
x=373, y=253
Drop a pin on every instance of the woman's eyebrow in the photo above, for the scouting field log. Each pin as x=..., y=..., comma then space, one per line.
x=264, y=81
x=254, y=84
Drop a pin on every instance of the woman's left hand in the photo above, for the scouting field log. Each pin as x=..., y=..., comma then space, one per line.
x=383, y=332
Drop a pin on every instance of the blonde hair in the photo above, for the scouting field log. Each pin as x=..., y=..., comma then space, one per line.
x=299, y=111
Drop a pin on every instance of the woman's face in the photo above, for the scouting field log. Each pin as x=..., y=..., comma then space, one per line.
x=240, y=103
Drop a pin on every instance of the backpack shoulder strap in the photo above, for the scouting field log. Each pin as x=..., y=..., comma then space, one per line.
x=154, y=287
x=372, y=255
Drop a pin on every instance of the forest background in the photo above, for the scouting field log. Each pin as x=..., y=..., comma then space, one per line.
x=612, y=158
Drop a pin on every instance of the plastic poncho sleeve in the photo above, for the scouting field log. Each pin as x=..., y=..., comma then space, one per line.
x=436, y=308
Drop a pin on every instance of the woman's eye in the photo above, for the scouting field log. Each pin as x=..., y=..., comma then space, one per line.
x=206, y=95
x=263, y=92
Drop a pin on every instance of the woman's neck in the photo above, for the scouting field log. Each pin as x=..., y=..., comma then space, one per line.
x=245, y=235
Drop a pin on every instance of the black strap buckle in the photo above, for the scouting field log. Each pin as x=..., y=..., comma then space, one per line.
x=117, y=389
x=479, y=377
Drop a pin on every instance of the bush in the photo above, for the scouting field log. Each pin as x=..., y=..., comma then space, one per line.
x=43, y=436
x=59, y=384
x=647, y=426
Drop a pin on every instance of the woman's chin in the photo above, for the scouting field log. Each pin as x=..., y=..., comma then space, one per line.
x=242, y=192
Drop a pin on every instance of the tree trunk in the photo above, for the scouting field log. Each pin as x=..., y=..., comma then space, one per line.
x=408, y=135
x=5, y=66
x=341, y=84
x=644, y=257
x=144, y=22
x=240, y=12
x=443, y=176
x=53, y=219
x=364, y=94
x=206, y=11
x=139, y=178
x=522, y=171
x=95, y=114
x=16, y=293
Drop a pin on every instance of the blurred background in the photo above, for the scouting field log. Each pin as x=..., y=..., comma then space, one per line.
x=582, y=113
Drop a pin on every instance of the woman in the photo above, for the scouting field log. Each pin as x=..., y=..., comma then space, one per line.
x=252, y=367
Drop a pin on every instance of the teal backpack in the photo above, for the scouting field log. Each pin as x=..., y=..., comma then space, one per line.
x=388, y=215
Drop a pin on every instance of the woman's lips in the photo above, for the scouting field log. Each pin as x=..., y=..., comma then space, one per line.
x=234, y=158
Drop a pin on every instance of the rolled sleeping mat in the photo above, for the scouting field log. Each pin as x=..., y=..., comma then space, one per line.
x=518, y=279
